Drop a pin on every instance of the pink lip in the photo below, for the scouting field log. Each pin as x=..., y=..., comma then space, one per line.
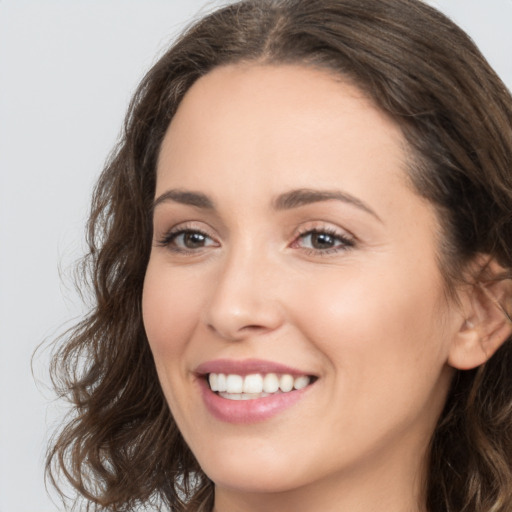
x=247, y=411
x=246, y=367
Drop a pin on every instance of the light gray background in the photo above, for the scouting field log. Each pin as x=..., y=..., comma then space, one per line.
x=67, y=70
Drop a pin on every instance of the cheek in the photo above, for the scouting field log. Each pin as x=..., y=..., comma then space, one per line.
x=170, y=309
x=372, y=326
x=386, y=352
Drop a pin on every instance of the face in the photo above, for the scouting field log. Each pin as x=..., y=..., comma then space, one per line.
x=289, y=250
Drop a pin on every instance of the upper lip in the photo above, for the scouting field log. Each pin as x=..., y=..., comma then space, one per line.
x=246, y=367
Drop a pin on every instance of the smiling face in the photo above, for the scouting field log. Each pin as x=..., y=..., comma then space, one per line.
x=287, y=242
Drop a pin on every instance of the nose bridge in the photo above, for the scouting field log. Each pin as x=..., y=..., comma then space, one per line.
x=243, y=300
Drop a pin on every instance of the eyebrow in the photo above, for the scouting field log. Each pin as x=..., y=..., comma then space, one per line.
x=187, y=197
x=305, y=196
x=287, y=201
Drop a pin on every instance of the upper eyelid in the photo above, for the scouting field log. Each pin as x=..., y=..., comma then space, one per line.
x=168, y=240
x=345, y=239
x=190, y=225
x=307, y=227
x=165, y=236
x=322, y=226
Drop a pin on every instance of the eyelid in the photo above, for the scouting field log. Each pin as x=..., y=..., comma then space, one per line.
x=165, y=239
x=323, y=226
x=345, y=239
x=348, y=240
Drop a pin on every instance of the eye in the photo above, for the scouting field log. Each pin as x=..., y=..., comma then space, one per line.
x=187, y=240
x=323, y=241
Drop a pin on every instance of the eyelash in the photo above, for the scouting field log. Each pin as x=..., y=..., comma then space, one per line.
x=345, y=242
x=168, y=240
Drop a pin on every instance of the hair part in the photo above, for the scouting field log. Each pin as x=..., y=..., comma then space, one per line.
x=121, y=447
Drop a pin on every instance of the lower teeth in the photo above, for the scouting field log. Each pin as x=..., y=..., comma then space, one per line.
x=245, y=396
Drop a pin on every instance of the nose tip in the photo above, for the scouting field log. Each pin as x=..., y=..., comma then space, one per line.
x=242, y=306
x=236, y=323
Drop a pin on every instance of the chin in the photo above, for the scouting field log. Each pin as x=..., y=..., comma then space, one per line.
x=252, y=480
x=260, y=474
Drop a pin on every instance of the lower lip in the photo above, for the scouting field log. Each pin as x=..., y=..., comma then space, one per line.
x=248, y=411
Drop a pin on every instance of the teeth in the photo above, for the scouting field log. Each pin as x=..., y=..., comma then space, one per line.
x=286, y=383
x=270, y=383
x=243, y=396
x=254, y=385
x=221, y=382
x=213, y=379
x=301, y=382
x=234, y=383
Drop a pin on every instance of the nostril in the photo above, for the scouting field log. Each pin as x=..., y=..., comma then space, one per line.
x=237, y=333
x=253, y=328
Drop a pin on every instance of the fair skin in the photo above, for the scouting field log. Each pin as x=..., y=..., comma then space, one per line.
x=344, y=288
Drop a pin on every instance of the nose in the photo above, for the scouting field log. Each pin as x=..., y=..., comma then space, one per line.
x=244, y=300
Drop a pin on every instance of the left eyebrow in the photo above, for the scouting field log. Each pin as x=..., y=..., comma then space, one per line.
x=188, y=197
x=305, y=196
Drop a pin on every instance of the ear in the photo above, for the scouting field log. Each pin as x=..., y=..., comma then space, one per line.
x=487, y=324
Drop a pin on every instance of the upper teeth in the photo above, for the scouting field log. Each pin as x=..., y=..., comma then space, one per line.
x=256, y=383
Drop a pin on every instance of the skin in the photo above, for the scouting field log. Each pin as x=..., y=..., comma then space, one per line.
x=369, y=317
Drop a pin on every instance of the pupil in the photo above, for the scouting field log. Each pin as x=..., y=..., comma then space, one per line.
x=322, y=240
x=194, y=240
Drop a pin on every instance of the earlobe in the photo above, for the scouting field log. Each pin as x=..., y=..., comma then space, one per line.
x=487, y=322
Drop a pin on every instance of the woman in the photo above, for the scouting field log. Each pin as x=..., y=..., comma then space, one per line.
x=301, y=255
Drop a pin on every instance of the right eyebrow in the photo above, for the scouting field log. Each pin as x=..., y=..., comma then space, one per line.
x=187, y=197
x=305, y=196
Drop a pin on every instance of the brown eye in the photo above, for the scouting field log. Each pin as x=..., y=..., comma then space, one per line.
x=192, y=239
x=187, y=240
x=324, y=241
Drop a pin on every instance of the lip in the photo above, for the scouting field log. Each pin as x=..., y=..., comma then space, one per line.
x=246, y=367
x=247, y=411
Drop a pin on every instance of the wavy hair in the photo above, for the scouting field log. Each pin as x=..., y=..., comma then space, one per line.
x=121, y=449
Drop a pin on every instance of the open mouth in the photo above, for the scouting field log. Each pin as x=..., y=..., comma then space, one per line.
x=256, y=385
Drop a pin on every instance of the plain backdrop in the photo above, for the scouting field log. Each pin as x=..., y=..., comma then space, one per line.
x=67, y=71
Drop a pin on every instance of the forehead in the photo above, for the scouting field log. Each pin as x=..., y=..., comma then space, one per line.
x=278, y=119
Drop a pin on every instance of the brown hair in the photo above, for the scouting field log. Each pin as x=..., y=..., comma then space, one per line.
x=121, y=448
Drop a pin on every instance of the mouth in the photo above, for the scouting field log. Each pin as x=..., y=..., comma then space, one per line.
x=233, y=386
x=253, y=384
x=251, y=390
